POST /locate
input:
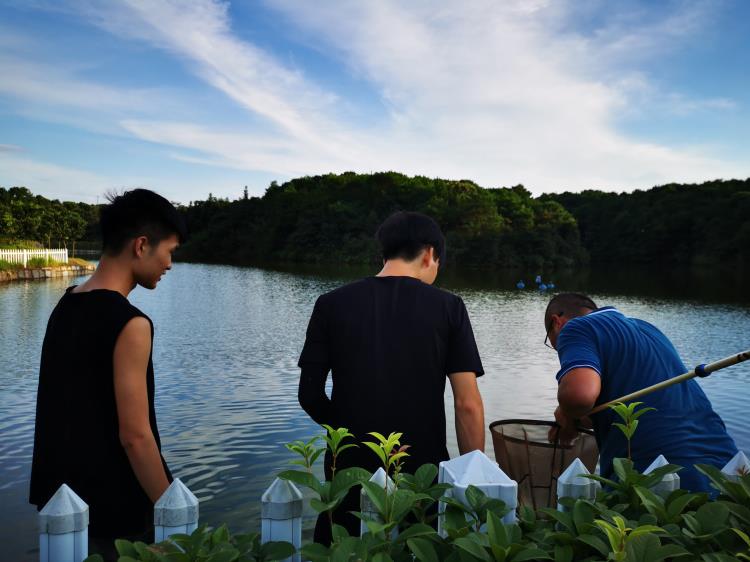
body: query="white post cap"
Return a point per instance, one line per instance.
(282, 500)
(64, 513)
(669, 483)
(738, 466)
(573, 474)
(474, 468)
(177, 506)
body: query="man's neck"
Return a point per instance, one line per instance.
(399, 268)
(111, 274)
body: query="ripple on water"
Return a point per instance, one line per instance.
(225, 353)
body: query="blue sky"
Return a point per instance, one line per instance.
(191, 97)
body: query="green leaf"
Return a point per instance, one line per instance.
(531, 553)
(564, 519)
(594, 542)
(422, 550)
(315, 552)
(94, 558)
(228, 555)
(378, 451)
(401, 503)
(475, 497)
(416, 530)
(302, 478)
(320, 506)
(583, 517)
(346, 479)
(473, 548)
(376, 494)
(642, 411)
(652, 502)
(220, 535)
(496, 531)
(643, 548)
(125, 548)
(426, 474)
(712, 517)
(563, 553)
(623, 468)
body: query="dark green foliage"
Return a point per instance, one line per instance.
(24, 216)
(670, 224)
(203, 545)
(333, 219)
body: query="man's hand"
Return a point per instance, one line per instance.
(567, 430)
(469, 412)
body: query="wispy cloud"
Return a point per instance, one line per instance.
(51, 180)
(10, 148)
(500, 92)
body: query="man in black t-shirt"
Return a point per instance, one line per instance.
(95, 420)
(390, 341)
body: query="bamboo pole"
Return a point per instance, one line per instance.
(700, 370)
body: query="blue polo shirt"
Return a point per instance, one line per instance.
(630, 354)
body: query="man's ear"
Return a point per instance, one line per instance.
(139, 246)
(427, 256)
(558, 321)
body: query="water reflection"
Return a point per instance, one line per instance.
(227, 342)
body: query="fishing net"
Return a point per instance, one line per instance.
(524, 453)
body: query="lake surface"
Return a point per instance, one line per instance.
(225, 355)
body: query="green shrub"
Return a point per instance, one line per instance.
(8, 266)
(38, 262)
(626, 522)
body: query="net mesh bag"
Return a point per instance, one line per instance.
(525, 454)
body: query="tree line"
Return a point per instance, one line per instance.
(332, 219)
(674, 224)
(25, 218)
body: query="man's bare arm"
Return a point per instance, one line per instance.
(469, 412)
(131, 355)
(578, 392)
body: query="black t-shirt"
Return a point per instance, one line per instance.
(76, 439)
(390, 342)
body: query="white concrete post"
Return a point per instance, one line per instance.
(64, 528)
(477, 469)
(366, 506)
(281, 515)
(736, 467)
(668, 484)
(571, 484)
(175, 512)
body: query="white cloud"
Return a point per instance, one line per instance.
(50, 180)
(499, 92)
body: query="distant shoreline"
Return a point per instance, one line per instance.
(31, 273)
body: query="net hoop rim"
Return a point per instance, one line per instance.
(533, 422)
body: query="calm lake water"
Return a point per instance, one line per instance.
(226, 348)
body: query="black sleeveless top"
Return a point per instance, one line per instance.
(76, 440)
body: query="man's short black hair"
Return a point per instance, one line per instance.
(139, 212)
(570, 305)
(405, 234)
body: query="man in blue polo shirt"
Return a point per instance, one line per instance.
(604, 355)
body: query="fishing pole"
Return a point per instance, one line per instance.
(699, 371)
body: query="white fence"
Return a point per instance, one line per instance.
(64, 521)
(23, 256)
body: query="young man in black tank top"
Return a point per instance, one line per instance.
(391, 342)
(95, 422)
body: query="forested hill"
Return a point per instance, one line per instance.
(332, 219)
(705, 224)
